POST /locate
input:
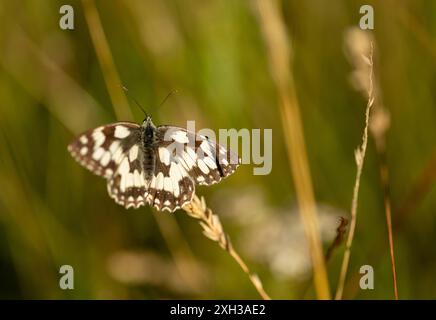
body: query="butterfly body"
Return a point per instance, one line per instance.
(150, 143)
(155, 165)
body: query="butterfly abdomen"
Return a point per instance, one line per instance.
(149, 163)
(149, 141)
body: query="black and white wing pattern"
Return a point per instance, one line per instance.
(184, 159)
(115, 152)
(158, 166)
(205, 161)
(102, 149)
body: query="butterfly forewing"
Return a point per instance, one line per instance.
(204, 160)
(101, 150)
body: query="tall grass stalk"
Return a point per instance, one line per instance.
(279, 53)
(379, 125)
(384, 176)
(185, 261)
(104, 55)
(360, 158)
(359, 44)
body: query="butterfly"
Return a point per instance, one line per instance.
(154, 165)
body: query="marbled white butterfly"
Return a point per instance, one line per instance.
(155, 165)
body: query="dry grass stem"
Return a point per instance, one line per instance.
(184, 259)
(379, 125)
(213, 230)
(104, 55)
(359, 157)
(388, 212)
(359, 44)
(279, 53)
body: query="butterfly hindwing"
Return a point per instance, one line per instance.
(171, 187)
(128, 186)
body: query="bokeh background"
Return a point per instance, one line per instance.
(57, 83)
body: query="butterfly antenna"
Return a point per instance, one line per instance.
(168, 95)
(134, 100)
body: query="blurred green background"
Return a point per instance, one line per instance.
(53, 212)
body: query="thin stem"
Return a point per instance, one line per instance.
(379, 126)
(360, 157)
(391, 242)
(213, 230)
(279, 53)
(104, 55)
(184, 259)
(253, 277)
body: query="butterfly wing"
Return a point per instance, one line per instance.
(204, 160)
(128, 186)
(183, 159)
(101, 149)
(168, 188)
(171, 187)
(114, 152)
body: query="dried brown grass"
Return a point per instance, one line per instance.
(104, 55)
(213, 230)
(280, 54)
(359, 154)
(360, 44)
